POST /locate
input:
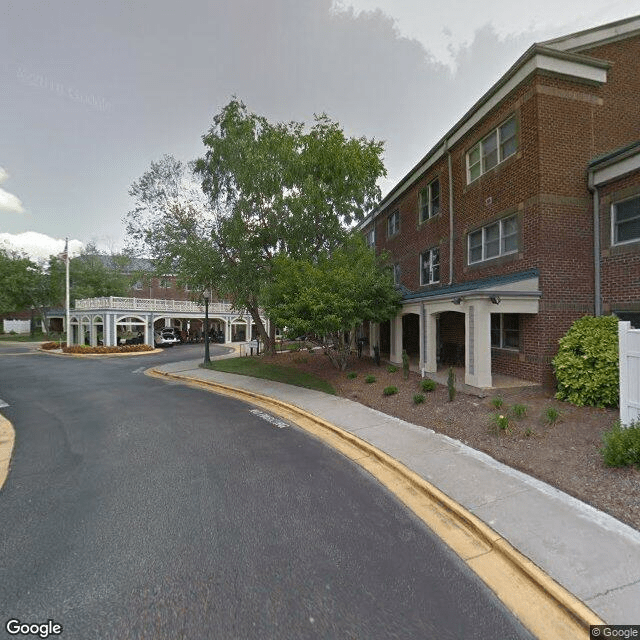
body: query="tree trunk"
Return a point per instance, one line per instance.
(268, 339)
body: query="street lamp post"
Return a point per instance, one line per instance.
(206, 294)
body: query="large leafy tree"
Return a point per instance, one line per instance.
(19, 278)
(329, 295)
(270, 190)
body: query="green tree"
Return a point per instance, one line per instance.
(330, 295)
(19, 279)
(271, 190)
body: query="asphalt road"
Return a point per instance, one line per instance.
(137, 508)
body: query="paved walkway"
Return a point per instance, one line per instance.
(589, 553)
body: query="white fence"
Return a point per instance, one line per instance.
(629, 348)
(19, 326)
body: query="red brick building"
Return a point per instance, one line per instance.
(493, 236)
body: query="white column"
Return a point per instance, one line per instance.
(227, 331)
(396, 340)
(478, 344)
(431, 348)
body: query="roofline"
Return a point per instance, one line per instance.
(536, 58)
(614, 165)
(595, 36)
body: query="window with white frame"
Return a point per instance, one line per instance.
(396, 273)
(626, 220)
(371, 238)
(492, 150)
(137, 285)
(393, 223)
(494, 240)
(430, 266)
(429, 200)
(505, 330)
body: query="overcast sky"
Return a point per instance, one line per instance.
(92, 91)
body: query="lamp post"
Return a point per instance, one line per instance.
(206, 294)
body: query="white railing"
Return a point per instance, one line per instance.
(629, 348)
(151, 304)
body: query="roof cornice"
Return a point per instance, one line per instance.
(596, 36)
(537, 58)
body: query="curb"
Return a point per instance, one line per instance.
(7, 440)
(542, 605)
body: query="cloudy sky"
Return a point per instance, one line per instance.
(93, 91)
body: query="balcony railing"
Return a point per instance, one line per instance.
(151, 304)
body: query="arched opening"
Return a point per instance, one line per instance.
(130, 330)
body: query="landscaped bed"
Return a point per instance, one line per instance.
(550, 440)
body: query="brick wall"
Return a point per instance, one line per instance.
(620, 264)
(562, 125)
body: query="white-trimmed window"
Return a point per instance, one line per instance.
(396, 273)
(371, 238)
(393, 223)
(430, 266)
(429, 201)
(137, 285)
(495, 240)
(505, 330)
(492, 150)
(625, 218)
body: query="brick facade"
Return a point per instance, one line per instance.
(563, 120)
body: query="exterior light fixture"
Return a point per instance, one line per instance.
(495, 299)
(457, 300)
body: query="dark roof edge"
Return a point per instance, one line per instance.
(533, 50)
(474, 285)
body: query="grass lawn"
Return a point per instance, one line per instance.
(256, 368)
(25, 337)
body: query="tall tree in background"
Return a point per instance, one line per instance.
(271, 190)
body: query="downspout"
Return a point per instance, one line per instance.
(596, 245)
(450, 212)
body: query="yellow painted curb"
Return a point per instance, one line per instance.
(7, 439)
(546, 608)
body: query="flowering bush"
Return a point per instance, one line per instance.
(586, 366)
(129, 348)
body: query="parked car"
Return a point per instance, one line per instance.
(172, 334)
(161, 339)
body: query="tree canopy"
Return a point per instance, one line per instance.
(270, 190)
(329, 295)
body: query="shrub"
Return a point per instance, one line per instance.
(497, 402)
(502, 422)
(351, 375)
(451, 384)
(427, 384)
(391, 368)
(519, 410)
(390, 391)
(621, 445)
(418, 398)
(130, 348)
(369, 379)
(551, 415)
(405, 364)
(586, 366)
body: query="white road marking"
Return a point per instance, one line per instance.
(3, 403)
(139, 370)
(269, 418)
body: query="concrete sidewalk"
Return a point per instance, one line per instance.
(592, 555)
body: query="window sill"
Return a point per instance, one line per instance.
(491, 262)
